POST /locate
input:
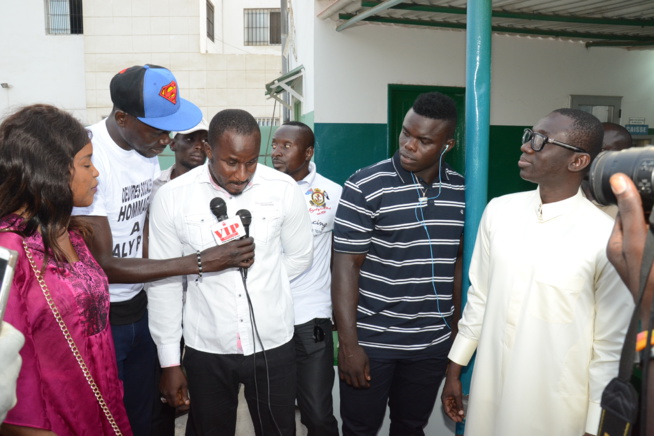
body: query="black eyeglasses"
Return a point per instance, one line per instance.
(538, 141)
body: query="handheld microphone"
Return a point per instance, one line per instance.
(227, 229)
(246, 219)
(218, 208)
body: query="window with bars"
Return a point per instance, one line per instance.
(262, 26)
(63, 17)
(267, 121)
(210, 20)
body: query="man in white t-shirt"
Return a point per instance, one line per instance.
(293, 146)
(147, 107)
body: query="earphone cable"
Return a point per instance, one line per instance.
(424, 225)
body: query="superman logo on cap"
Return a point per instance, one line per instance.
(169, 92)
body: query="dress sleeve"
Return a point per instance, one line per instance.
(30, 410)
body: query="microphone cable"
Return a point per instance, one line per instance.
(255, 332)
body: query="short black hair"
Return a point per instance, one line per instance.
(306, 129)
(587, 131)
(624, 137)
(235, 120)
(436, 106)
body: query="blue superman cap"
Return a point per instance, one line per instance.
(150, 93)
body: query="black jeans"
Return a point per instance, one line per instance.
(213, 383)
(408, 386)
(315, 376)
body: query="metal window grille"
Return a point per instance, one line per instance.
(64, 17)
(267, 121)
(262, 26)
(210, 21)
(275, 27)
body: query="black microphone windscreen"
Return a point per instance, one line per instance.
(218, 208)
(246, 219)
(246, 216)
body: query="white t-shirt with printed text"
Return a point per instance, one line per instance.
(123, 196)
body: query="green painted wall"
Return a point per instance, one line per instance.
(167, 158)
(341, 149)
(307, 119)
(503, 172)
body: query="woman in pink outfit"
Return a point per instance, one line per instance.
(45, 170)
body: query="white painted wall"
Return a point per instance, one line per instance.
(39, 68)
(530, 77)
(301, 48)
(355, 66)
(233, 26)
(172, 33)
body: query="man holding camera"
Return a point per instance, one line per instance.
(546, 311)
(626, 250)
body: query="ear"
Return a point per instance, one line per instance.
(308, 154)
(449, 145)
(579, 163)
(207, 150)
(121, 118)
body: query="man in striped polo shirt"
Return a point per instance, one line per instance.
(396, 282)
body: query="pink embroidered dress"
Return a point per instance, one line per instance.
(52, 391)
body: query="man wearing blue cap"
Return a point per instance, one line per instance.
(147, 107)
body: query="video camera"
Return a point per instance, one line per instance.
(635, 162)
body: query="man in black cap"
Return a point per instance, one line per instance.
(147, 107)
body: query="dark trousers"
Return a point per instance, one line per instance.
(213, 383)
(408, 386)
(314, 354)
(136, 357)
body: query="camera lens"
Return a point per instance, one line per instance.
(636, 162)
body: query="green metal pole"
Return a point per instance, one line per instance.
(478, 89)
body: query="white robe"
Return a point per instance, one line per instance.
(547, 314)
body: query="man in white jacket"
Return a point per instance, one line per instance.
(546, 311)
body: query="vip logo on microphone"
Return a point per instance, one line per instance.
(228, 230)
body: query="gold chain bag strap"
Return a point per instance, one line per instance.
(71, 342)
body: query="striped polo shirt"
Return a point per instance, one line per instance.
(410, 234)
